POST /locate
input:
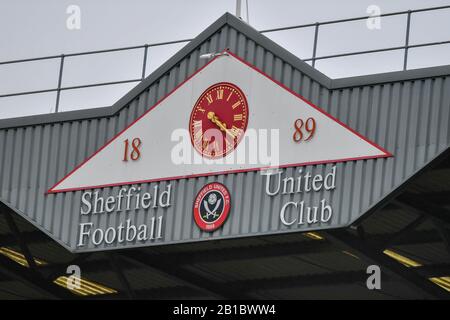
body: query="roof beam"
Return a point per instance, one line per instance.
(434, 164)
(326, 279)
(435, 270)
(445, 235)
(271, 250)
(268, 250)
(22, 243)
(405, 231)
(53, 271)
(411, 238)
(439, 216)
(31, 278)
(375, 256)
(117, 267)
(216, 289)
(414, 203)
(177, 292)
(438, 198)
(28, 236)
(230, 254)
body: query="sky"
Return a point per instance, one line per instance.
(39, 28)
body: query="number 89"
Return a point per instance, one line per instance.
(303, 129)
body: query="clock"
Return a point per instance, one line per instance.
(218, 120)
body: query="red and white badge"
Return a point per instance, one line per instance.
(211, 206)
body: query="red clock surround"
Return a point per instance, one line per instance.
(223, 107)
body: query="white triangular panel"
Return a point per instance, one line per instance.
(271, 106)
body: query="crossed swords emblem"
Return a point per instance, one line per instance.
(212, 200)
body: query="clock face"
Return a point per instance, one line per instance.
(218, 120)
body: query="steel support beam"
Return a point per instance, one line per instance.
(272, 250)
(186, 277)
(28, 236)
(20, 241)
(115, 264)
(403, 232)
(445, 235)
(156, 293)
(441, 159)
(391, 267)
(268, 250)
(414, 203)
(440, 198)
(22, 244)
(327, 279)
(53, 271)
(436, 270)
(31, 278)
(439, 216)
(31, 275)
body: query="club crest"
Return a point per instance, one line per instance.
(211, 206)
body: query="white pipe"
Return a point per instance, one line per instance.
(238, 8)
(246, 10)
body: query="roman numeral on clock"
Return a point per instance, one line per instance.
(237, 117)
(235, 131)
(237, 104)
(205, 144)
(198, 135)
(197, 123)
(219, 94)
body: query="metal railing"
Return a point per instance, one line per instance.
(63, 57)
(405, 47)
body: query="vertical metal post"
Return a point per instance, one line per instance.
(58, 92)
(316, 36)
(144, 63)
(238, 8)
(408, 27)
(247, 13)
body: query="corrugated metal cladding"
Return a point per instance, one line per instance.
(408, 118)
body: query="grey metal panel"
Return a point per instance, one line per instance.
(409, 118)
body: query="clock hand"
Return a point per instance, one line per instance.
(222, 126)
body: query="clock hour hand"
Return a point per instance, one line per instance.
(222, 126)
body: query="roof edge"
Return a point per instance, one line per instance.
(49, 118)
(393, 76)
(278, 50)
(169, 64)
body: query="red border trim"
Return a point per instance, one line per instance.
(386, 154)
